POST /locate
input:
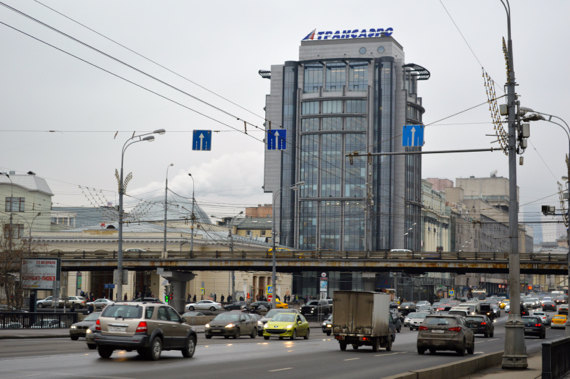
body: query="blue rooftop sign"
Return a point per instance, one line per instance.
(348, 34)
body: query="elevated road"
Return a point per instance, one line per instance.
(294, 261)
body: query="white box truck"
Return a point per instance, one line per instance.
(363, 318)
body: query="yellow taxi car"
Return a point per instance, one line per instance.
(558, 321)
(287, 325)
(279, 304)
(504, 303)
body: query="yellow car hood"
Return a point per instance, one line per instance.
(279, 324)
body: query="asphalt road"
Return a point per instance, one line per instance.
(319, 356)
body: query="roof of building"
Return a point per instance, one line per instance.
(29, 182)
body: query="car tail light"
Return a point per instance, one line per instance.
(538, 325)
(142, 327)
(455, 329)
(98, 325)
(423, 327)
(483, 323)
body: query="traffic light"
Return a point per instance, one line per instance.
(548, 210)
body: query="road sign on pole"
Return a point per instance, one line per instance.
(413, 135)
(202, 140)
(276, 139)
(269, 289)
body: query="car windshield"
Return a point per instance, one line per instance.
(313, 302)
(227, 317)
(92, 317)
(286, 317)
(417, 315)
(122, 311)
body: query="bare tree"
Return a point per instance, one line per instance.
(11, 254)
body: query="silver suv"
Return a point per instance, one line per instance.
(147, 328)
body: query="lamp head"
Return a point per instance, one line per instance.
(148, 138)
(533, 117)
(159, 131)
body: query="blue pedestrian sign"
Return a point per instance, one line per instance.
(276, 139)
(202, 140)
(413, 135)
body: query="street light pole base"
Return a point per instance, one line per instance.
(515, 357)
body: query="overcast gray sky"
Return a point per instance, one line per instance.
(221, 45)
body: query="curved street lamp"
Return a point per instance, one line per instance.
(122, 185)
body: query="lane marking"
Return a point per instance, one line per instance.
(387, 354)
(351, 359)
(280, 369)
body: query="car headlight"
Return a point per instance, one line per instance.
(230, 325)
(88, 331)
(73, 327)
(266, 326)
(329, 325)
(260, 323)
(290, 326)
(207, 326)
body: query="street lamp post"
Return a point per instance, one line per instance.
(232, 254)
(535, 116)
(166, 208)
(192, 220)
(122, 185)
(11, 211)
(514, 356)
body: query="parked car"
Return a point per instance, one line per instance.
(231, 324)
(445, 332)
(99, 304)
(316, 307)
(544, 317)
(480, 324)
(287, 325)
(268, 316)
(204, 305)
(48, 302)
(327, 325)
(80, 328)
(75, 302)
(533, 326)
(558, 321)
(147, 328)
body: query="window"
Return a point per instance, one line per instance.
(332, 106)
(309, 125)
(15, 204)
(332, 123)
(172, 315)
(148, 312)
(313, 78)
(310, 107)
(17, 231)
(355, 123)
(336, 76)
(358, 76)
(163, 314)
(356, 106)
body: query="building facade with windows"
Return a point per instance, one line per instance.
(344, 96)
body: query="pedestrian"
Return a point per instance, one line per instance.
(194, 299)
(214, 297)
(222, 298)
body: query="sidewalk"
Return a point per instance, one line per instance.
(533, 371)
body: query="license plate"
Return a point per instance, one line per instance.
(117, 329)
(216, 330)
(437, 331)
(528, 329)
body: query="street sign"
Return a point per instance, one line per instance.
(109, 286)
(269, 289)
(324, 284)
(202, 140)
(269, 297)
(451, 293)
(323, 274)
(276, 139)
(413, 135)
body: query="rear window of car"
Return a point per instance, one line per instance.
(477, 319)
(122, 311)
(440, 321)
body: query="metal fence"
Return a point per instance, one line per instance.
(37, 320)
(555, 358)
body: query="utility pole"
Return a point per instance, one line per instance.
(193, 218)
(514, 356)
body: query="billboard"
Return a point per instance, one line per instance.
(40, 273)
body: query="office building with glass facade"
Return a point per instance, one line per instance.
(344, 96)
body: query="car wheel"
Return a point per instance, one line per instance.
(421, 350)
(155, 349)
(432, 350)
(543, 335)
(74, 338)
(237, 334)
(486, 334)
(105, 352)
(208, 336)
(411, 328)
(471, 349)
(212, 309)
(375, 345)
(307, 334)
(91, 346)
(399, 329)
(265, 337)
(253, 333)
(226, 337)
(461, 351)
(342, 345)
(328, 333)
(190, 308)
(354, 347)
(492, 334)
(190, 348)
(389, 344)
(294, 335)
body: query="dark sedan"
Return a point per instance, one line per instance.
(80, 328)
(533, 326)
(231, 324)
(480, 325)
(549, 306)
(235, 306)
